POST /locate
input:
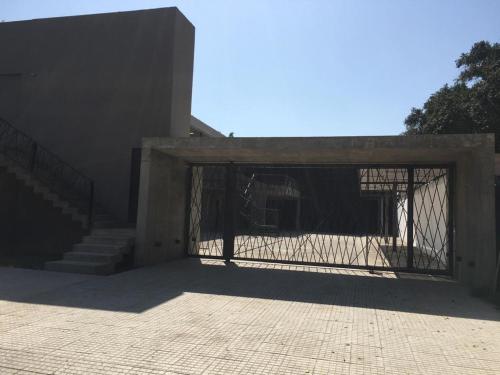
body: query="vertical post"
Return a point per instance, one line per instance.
(34, 148)
(395, 223)
(91, 206)
(187, 219)
(386, 218)
(410, 226)
(229, 217)
(451, 225)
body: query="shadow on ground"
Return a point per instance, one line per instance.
(141, 289)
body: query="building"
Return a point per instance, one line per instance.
(85, 90)
(99, 127)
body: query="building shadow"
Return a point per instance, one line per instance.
(139, 290)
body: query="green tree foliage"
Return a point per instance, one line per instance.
(471, 104)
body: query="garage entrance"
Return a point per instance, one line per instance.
(387, 217)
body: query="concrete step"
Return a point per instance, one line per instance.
(109, 240)
(125, 232)
(100, 224)
(92, 268)
(100, 248)
(77, 256)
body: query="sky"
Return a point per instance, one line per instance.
(310, 68)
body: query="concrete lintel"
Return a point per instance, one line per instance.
(385, 149)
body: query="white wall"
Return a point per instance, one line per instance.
(430, 212)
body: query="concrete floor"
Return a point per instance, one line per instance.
(193, 317)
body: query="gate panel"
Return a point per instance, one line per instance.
(206, 211)
(375, 217)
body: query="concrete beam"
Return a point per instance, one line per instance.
(391, 149)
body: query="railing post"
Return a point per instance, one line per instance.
(410, 224)
(229, 217)
(395, 219)
(34, 148)
(450, 213)
(91, 206)
(188, 210)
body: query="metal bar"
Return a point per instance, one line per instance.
(229, 217)
(395, 226)
(409, 232)
(187, 219)
(330, 265)
(386, 218)
(451, 224)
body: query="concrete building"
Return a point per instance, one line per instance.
(89, 88)
(100, 142)
(466, 212)
(82, 92)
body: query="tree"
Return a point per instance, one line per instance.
(471, 104)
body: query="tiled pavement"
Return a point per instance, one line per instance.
(188, 317)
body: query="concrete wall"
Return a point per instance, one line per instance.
(89, 88)
(472, 156)
(162, 208)
(30, 225)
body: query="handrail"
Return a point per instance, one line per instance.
(61, 178)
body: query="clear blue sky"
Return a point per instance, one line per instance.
(307, 68)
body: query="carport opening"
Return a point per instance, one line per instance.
(362, 216)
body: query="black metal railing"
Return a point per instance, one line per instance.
(58, 176)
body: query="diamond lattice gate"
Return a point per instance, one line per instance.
(364, 216)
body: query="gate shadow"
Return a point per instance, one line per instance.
(142, 289)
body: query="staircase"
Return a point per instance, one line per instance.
(100, 253)
(40, 189)
(109, 244)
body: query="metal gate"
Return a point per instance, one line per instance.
(390, 217)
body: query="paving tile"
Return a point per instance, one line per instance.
(202, 317)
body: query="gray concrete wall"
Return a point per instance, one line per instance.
(89, 88)
(475, 235)
(472, 155)
(162, 208)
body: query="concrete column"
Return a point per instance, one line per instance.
(162, 209)
(475, 221)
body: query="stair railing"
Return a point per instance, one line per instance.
(58, 176)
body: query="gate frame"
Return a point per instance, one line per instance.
(164, 164)
(229, 215)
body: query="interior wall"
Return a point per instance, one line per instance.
(430, 226)
(430, 219)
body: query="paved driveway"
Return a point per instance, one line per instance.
(192, 317)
